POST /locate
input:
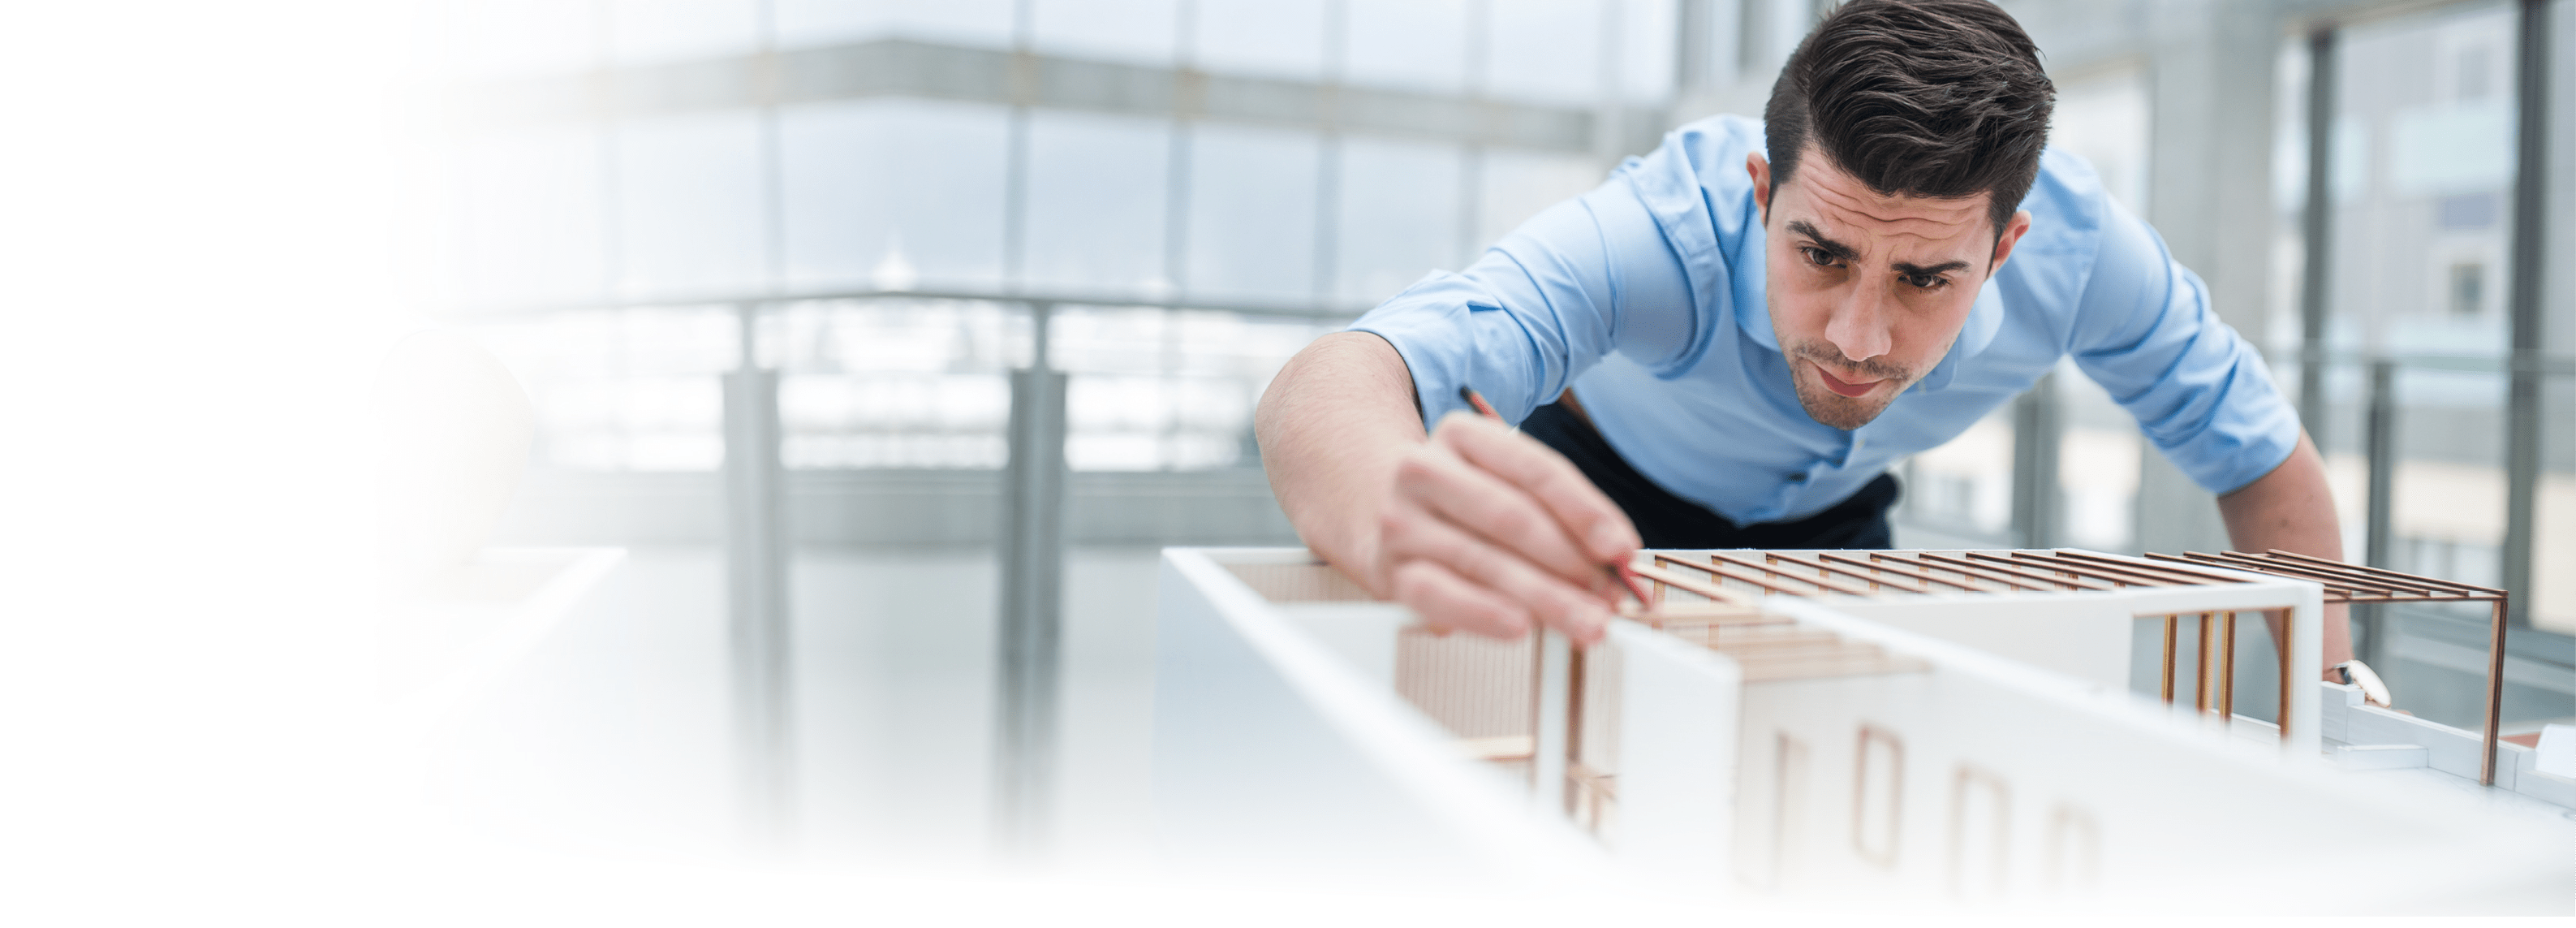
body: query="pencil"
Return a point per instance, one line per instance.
(1477, 400)
(1618, 571)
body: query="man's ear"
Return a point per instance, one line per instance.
(1760, 168)
(2004, 243)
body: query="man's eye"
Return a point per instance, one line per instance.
(1818, 256)
(1927, 281)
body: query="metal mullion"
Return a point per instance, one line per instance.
(2317, 227)
(758, 624)
(2380, 438)
(2530, 228)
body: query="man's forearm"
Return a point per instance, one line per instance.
(2292, 509)
(1332, 427)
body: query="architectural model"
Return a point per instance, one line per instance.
(1849, 728)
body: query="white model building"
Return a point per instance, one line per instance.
(1845, 729)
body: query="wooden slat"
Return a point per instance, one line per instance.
(1770, 573)
(1891, 565)
(2334, 592)
(1782, 632)
(2163, 558)
(2186, 575)
(2164, 564)
(1681, 624)
(2111, 572)
(1863, 575)
(1721, 572)
(1822, 583)
(1693, 615)
(2330, 581)
(2381, 573)
(1710, 590)
(1605, 784)
(1504, 747)
(2008, 565)
(1943, 562)
(1692, 610)
(1782, 650)
(2260, 565)
(1738, 574)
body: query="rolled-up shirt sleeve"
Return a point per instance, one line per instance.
(2144, 330)
(1581, 279)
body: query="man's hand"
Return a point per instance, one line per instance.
(1477, 528)
(1486, 529)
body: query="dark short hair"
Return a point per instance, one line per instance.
(1931, 98)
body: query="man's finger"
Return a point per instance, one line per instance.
(1444, 600)
(1494, 510)
(1589, 518)
(1578, 610)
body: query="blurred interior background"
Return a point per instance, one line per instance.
(885, 207)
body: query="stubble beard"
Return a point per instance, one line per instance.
(1834, 409)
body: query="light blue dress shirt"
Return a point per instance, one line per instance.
(1645, 296)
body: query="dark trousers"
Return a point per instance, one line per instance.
(1668, 521)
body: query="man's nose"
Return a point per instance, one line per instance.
(1859, 325)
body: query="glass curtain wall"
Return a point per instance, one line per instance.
(2423, 148)
(619, 184)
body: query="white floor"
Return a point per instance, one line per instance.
(610, 738)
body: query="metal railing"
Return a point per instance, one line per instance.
(1031, 536)
(2381, 454)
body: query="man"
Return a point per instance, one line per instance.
(1729, 342)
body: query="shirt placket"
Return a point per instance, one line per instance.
(1799, 491)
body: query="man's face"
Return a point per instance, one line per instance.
(1866, 291)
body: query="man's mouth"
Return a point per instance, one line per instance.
(1841, 386)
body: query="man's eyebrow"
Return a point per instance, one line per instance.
(1913, 271)
(1840, 251)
